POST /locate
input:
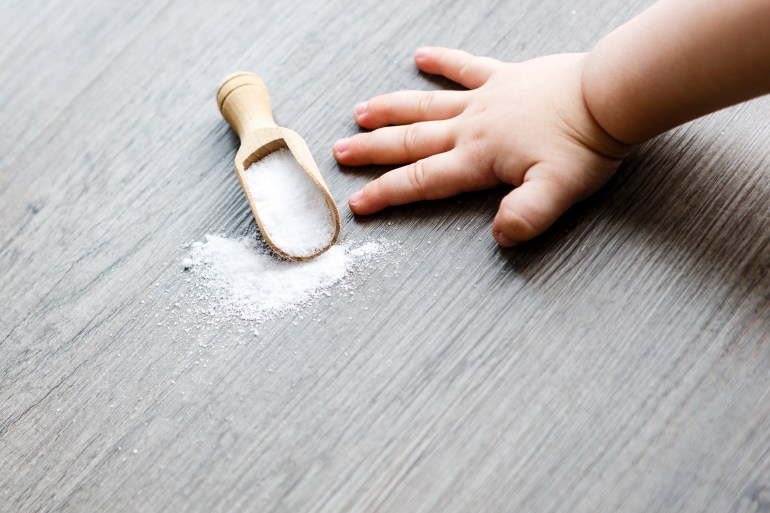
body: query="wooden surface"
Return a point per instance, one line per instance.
(619, 363)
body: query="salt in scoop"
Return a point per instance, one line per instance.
(287, 194)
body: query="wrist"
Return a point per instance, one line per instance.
(602, 139)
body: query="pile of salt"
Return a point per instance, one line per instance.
(248, 282)
(291, 207)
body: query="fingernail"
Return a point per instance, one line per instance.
(360, 108)
(421, 52)
(356, 197)
(503, 239)
(342, 145)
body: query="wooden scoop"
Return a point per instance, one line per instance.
(244, 102)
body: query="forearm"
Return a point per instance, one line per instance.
(678, 60)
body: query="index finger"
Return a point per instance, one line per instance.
(438, 176)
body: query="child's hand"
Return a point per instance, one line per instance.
(525, 124)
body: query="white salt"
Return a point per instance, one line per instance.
(291, 207)
(247, 281)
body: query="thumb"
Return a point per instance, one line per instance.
(530, 209)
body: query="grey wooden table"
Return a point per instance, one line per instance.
(619, 363)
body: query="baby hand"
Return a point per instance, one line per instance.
(525, 124)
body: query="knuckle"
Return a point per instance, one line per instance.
(465, 65)
(481, 163)
(417, 179)
(476, 151)
(409, 141)
(477, 134)
(425, 104)
(377, 191)
(480, 133)
(516, 224)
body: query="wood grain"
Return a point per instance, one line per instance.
(619, 363)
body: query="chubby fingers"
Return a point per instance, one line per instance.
(456, 65)
(439, 176)
(405, 107)
(395, 144)
(530, 209)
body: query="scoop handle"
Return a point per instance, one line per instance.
(245, 103)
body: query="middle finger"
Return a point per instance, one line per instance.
(396, 144)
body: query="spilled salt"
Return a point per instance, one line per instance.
(245, 280)
(291, 207)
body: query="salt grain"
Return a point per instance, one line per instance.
(291, 207)
(249, 282)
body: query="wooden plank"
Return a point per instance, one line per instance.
(617, 363)
(52, 51)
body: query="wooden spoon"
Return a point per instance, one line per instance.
(245, 103)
